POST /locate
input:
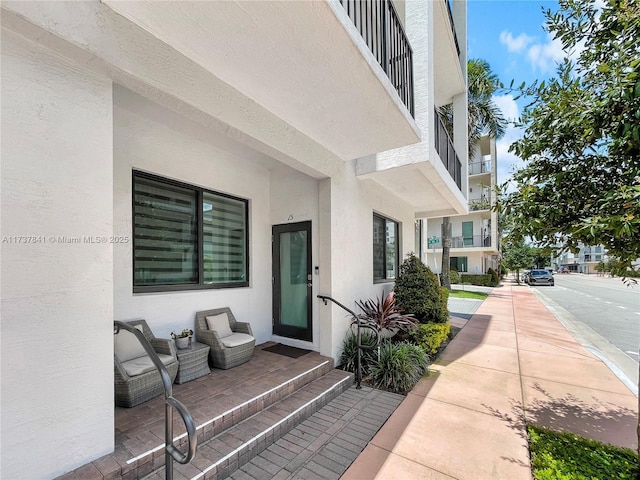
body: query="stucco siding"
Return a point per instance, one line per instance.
(57, 263)
(153, 144)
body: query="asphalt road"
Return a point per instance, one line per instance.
(605, 311)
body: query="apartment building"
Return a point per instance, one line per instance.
(584, 261)
(475, 242)
(152, 154)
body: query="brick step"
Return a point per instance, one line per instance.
(238, 444)
(217, 402)
(327, 443)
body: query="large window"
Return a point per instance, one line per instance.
(459, 263)
(186, 237)
(386, 248)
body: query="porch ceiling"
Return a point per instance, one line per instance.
(304, 62)
(431, 191)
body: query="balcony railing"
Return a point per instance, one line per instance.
(448, 155)
(380, 27)
(475, 205)
(476, 241)
(453, 26)
(477, 168)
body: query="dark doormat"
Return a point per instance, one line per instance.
(286, 350)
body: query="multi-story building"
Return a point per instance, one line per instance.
(152, 154)
(585, 261)
(475, 242)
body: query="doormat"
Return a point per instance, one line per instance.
(286, 350)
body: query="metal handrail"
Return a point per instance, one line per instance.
(171, 451)
(381, 29)
(446, 150)
(453, 27)
(361, 347)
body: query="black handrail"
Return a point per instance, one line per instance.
(171, 451)
(453, 27)
(356, 320)
(380, 27)
(446, 151)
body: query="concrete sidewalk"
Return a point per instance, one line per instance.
(513, 363)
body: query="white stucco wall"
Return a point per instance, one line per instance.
(294, 198)
(349, 260)
(148, 138)
(57, 290)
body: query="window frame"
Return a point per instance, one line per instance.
(457, 265)
(200, 192)
(398, 242)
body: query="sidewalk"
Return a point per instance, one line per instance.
(513, 363)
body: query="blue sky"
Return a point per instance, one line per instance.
(509, 35)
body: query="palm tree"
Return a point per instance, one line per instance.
(485, 118)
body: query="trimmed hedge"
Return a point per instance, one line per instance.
(454, 277)
(430, 336)
(481, 279)
(418, 291)
(495, 279)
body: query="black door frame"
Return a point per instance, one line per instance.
(289, 331)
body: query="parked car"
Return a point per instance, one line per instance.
(540, 277)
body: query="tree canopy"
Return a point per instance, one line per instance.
(581, 178)
(516, 256)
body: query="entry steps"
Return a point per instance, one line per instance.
(315, 432)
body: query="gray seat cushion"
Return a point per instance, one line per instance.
(140, 365)
(236, 339)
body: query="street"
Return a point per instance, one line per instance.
(610, 309)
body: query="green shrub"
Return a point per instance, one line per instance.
(418, 291)
(430, 336)
(350, 351)
(481, 279)
(565, 456)
(494, 277)
(399, 366)
(454, 277)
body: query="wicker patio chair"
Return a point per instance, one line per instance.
(136, 377)
(232, 344)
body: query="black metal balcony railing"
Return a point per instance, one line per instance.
(453, 26)
(381, 29)
(448, 155)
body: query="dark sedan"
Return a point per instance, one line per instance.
(540, 277)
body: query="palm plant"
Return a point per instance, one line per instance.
(383, 314)
(485, 118)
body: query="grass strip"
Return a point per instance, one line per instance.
(468, 294)
(565, 456)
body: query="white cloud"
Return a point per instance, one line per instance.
(508, 106)
(546, 56)
(515, 44)
(507, 161)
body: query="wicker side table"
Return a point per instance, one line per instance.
(193, 362)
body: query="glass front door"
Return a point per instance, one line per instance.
(292, 280)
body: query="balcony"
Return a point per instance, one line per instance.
(449, 77)
(480, 168)
(453, 27)
(476, 241)
(479, 205)
(381, 29)
(305, 77)
(448, 155)
(293, 80)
